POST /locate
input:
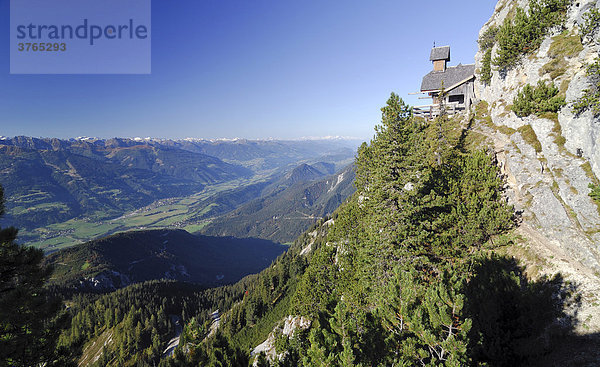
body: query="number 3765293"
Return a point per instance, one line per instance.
(42, 47)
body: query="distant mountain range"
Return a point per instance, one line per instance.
(125, 258)
(254, 154)
(53, 183)
(47, 186)
(50, 181)
(269, 154)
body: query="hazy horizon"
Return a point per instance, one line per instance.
(189, 138)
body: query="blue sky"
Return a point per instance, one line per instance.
(250, 69)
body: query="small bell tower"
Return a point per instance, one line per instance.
(440, 56)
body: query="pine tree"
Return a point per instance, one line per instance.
(27, 314)
(486, 67)
(388, 285)
(261, 360)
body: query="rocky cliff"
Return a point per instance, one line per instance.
(549, 162)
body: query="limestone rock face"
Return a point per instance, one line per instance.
(548, 172)
(291, 324)
(107, 280)
(288, 328)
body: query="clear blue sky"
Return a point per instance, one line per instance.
(251, 69)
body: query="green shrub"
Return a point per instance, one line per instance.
(595, 193)
(593, 70)
(548, 13)
(488, 38)
(589, 101)
(282, 342)
(591, 97)
(524, 33)
(539, 99)
(591, 22)
(514, 39)
(486, 67)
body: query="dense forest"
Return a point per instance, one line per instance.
(122, 259)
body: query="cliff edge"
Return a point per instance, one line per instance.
(549, 159)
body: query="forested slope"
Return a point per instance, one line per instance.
(122, 259)
(407, 272)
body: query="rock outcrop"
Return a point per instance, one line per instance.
(549, 162)
(107, 280)
(287, 329)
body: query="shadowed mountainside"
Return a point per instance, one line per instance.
(124, 258)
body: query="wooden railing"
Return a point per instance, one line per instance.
(432, 111)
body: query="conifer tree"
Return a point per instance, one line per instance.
(27, 314)
(396, 261)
